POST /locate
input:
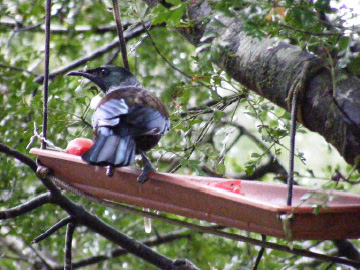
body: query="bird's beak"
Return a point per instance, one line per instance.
(88, 75)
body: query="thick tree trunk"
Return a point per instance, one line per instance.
(270, 67)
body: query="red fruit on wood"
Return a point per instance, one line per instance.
(232, 186)
(78, 146)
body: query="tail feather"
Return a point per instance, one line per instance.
(111, 149)
(125, 151)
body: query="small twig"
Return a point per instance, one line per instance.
(113, 57)
(35, 26)
(158, 51)
(120, 34)
(68, 247)
(162, 56)
(337, 176)
(53, 229)
(19, 69)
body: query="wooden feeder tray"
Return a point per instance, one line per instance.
(255, 206)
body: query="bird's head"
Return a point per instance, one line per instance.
(108, 77)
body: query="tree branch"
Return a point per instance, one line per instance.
(26, 207)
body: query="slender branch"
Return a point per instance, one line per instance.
(68, 247)
(119, 30)
(15, 24)
(132, 32)
(59, 29)
(113, 57)
(53, 229)
(26, 207)
(18, 155)
(163, 57)
(209, 107)
(19, 69)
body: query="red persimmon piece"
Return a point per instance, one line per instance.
(232, 185)
(78, 146)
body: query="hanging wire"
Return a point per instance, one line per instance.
(120, 34)
(290, 179)
(46, 71)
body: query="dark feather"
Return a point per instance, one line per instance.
(146, 121)
(112, 148)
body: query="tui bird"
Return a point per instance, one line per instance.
(129, 120)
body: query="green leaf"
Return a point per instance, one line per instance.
(160, 14)
(169, 16)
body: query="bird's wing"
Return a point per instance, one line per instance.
(108, 113)
(147, 121)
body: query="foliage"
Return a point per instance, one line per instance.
(216, 123)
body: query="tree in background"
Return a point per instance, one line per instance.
(226, 70)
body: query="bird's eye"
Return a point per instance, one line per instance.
(104, 72)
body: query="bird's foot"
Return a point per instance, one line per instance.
(110, 171)
(148, 168)
(143, 177)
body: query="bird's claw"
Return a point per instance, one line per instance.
(143, 177)
(110, 171)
